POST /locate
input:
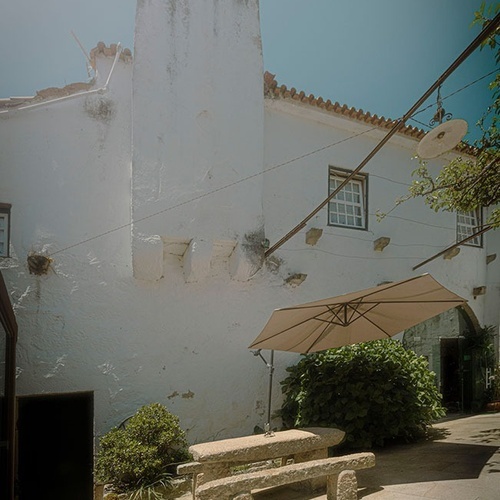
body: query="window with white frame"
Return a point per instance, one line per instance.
(4, 229)
(469, 223)
(348, 207)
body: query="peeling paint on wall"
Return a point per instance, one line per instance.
(60, 363)
(39, 264)
(100, 108)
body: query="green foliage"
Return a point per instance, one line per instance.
(465, 185)
(137, 457)
(375, 392)
(483, 339)
(462, 185)
(495, 386)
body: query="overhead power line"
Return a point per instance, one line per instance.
(485, 33)
(208, 193)
(398, 124)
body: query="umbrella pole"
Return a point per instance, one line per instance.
(269, 432)
(270, 366)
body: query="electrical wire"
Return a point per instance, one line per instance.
(203, 195)
(208, 193)
(419, 222)
(336, 235)
(389, 180)
(350, 256)
(452, 94)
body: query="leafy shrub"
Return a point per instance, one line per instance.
(376, 391)
(138, 455)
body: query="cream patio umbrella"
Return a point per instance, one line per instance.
(374, 313)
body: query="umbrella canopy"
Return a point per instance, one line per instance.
(371, 314)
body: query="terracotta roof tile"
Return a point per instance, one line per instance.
(273, 91)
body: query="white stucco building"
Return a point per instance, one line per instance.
(155, 190)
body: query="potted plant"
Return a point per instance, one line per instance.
(493, 395)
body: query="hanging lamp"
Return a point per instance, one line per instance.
(446, 136)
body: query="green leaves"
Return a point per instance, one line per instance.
(463, 184)
(375, 392)
(137, 456)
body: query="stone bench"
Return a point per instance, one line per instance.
(192, 469)
(339, 471)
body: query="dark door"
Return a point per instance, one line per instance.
(55, 446)
(451, 376)
(8, 339)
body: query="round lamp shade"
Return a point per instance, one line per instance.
(441, 139)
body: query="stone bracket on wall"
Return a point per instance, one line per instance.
(241, 267)
(196, 258)
(147, 257)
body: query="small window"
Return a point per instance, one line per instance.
(469, 223)
(348, 207)
(4, 229)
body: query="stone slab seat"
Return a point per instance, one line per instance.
(189, 468)
(240, 485)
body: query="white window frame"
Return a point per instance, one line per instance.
(469, 223)
(4, 229)
(349, 207)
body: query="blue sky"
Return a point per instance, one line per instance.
(377, 55)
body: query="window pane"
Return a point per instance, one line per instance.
(349, 201)
(467, 224)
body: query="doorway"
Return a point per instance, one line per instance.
(55, 446)
(450, 374)
(456, 378)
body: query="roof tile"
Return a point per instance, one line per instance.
(273, 91)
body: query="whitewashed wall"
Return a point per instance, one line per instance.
(198, 128)
(345, 257)
(164, 308)
(65, 168)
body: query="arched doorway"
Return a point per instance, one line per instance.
(444, 342)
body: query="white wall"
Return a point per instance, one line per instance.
(163, 309)
(65, 167)
(198, 124)
(90, 325)
(345, 257)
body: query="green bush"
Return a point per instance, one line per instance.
(139, 455)
(376, 391)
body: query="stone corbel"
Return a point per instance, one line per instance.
(147, 257)
(197, 259)
(244, 262)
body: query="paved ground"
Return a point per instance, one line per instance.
(461, 463)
